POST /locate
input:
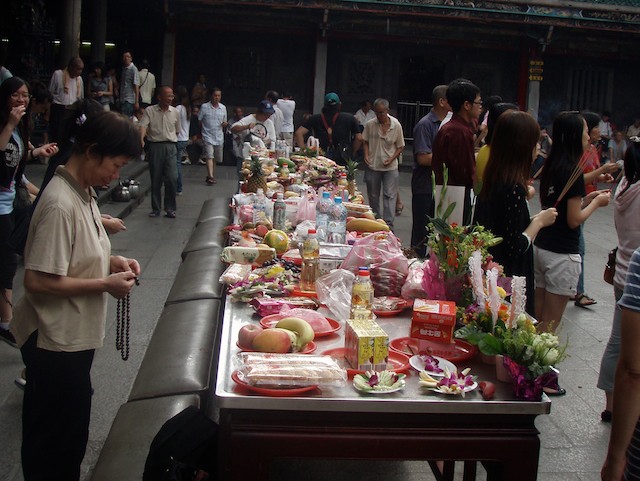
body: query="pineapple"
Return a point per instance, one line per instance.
(352, 168)
(256, 180)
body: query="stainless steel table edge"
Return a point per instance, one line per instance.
(346, 398)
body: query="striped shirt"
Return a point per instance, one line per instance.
(631, 300)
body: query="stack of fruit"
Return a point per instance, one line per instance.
(290, 334)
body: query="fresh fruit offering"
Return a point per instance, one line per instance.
(451, 383)
(277, 239)
(379, 382)
(289, 335)
(488, 390)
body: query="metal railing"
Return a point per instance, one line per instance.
(409, 113)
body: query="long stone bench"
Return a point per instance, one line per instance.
(176, 371)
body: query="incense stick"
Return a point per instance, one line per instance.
(537, 174)
(575, 175)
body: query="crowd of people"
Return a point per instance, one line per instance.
(490, 152)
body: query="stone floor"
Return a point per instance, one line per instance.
(573, 439)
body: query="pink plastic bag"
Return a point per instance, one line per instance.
(307, 207)
(382, 254)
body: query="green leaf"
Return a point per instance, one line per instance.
(490, 345)
(449, 210)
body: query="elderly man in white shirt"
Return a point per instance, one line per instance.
(66, 87)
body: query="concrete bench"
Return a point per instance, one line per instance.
(125, 450)
(179, 356)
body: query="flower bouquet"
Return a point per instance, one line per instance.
(451, 246)
(529, 357)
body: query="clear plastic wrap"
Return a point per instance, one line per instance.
(289, 370)
(334, 291)
(235, 273)
(412, 287)
(382, 254)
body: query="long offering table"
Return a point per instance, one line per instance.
(340, 422)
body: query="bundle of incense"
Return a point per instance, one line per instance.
(575, 175)
(537, 174)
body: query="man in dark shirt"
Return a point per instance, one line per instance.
(453, 145)
(338, 132)
(424, 134)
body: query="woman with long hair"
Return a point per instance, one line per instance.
(15, 150)
(556, 252)
(60, 321)
(502, 205)
(183, 106)
(626, 215)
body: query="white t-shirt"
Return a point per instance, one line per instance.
(65, 93)
(364, 118)
(147, 85)
(278, 120)
(185, 123)
(265, 131)
(288, 107)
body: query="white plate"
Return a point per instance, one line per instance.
(466, 389)
(418, 365)
(382, 388)
(382, 391)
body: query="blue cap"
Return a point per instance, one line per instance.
(331, 99)
(337, 200)
(266, 107)
(326, 194)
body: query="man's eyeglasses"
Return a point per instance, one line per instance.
(477, 102)
(18, 95)
(380, 113)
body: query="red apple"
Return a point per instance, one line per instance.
(262, 230)
(247, 333)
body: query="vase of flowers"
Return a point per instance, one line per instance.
(451, 246)
(529, 358)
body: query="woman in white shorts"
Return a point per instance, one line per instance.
(556, 249)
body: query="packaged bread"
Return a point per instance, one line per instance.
(289, 370)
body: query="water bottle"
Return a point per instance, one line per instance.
(337, 226)
(279, 212)
(259, 207)
(362, 295)
(310, 253)
(322, 216)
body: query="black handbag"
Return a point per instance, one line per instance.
(610, 266)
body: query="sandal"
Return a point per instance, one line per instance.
(554, 392)
(583, 300)
(399, 209)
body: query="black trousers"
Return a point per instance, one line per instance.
(422, 208)
(55, 413)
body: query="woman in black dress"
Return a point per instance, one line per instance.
(502, 206)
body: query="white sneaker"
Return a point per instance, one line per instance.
(185, 162)
(202, 162)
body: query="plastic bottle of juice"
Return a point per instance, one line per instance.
(279, 212)
(362, 295)
(310, 254)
